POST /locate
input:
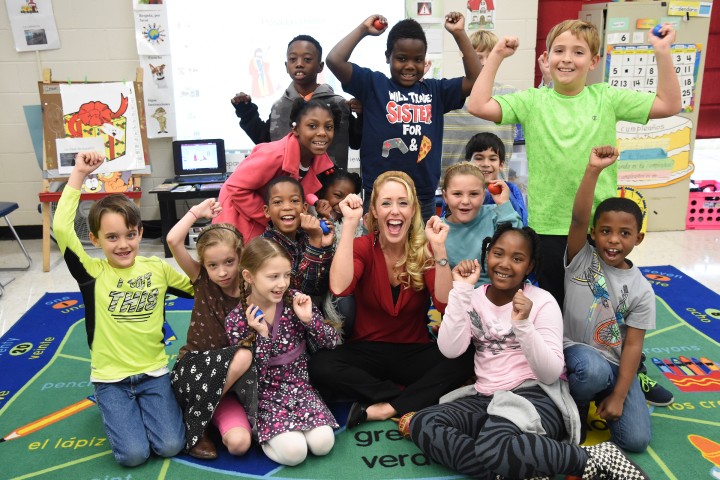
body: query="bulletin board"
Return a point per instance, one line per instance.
(634, 67)
(101, 119)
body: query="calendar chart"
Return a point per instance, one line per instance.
(656, 157)
(634, 67)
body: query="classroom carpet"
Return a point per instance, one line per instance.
(51, 427)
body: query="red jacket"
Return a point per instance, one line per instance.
(242, 195)
(377, 318)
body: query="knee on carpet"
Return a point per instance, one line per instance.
(636, 443)
(170, 447)
(321, 441)
(132, 457)
(237, 441)
(293, 454)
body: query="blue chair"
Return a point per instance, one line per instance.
(5, 209)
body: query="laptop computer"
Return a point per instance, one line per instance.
(199, 161)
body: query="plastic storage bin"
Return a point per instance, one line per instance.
(703, 212)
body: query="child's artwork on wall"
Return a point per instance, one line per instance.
(112, 112)
(480, 15)
(159, 100)
(114, 182)
(107, 111)
(656, 154)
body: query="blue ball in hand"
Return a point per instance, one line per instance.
(657, 31)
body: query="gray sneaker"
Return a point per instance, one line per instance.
(608, 462)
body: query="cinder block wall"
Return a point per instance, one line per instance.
(98, 43)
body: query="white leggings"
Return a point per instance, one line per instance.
(290, 448)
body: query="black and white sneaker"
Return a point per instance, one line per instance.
(608, 462)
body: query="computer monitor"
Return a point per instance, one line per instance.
(199, 157)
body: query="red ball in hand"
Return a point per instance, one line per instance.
(494, 188)
(379, 25)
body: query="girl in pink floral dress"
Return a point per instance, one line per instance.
(292, 417)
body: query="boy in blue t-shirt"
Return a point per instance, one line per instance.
(403, 114)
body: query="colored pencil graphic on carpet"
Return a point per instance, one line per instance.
(49, 419)
(710, 451)
(690, 374)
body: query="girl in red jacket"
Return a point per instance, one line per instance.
(300, 155)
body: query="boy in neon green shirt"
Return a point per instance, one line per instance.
(124, 297)
(563, 123)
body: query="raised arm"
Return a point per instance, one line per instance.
(600, 158)
(343, 267)
(209, 208)
(436, 232)
(455, 24)
(481, 104)
(255, 128)
(668, 100)
(338, 60)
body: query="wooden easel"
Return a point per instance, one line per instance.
(47, 197)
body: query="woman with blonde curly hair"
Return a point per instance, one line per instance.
(389, 364)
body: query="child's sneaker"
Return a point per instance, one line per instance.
(655, 394)
(607, 462)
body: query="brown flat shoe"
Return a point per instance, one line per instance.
(204, 449)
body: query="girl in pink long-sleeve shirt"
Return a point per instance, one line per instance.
(515, 422)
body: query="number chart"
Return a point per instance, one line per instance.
(635, 67)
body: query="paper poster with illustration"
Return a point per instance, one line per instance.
(425, 11)
(112, 182)
(480, 15)
(108, 111)
(33, 25)
(159, 100)
(656, 154)
(151, 32)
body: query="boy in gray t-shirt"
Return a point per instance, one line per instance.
(608, 307)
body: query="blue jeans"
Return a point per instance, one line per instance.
(141, 415)
(592, 378)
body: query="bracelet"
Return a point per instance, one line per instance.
(193, 214)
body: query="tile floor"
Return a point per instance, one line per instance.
(695, 252)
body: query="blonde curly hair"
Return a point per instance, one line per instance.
(417, 258)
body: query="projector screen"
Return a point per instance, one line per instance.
(217, 47)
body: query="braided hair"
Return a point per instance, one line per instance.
(528, 233)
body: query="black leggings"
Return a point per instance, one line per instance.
(462, 436)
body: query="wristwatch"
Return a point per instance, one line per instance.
(441, 261)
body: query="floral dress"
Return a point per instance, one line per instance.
(286, 399)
